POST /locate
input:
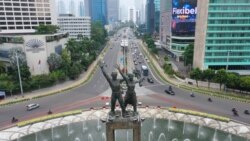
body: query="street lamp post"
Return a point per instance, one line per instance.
(19, 75)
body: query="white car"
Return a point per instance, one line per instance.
(107, 104)
(139, 103)
(32, 106)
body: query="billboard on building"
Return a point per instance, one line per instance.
(183, 17)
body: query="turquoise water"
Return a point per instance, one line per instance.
(152, 130)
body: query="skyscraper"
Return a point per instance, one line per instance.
(98, 11)
(113, 11)
(165, 22)
(222, 36)
(27, 16)
(72, 9)
(131, 14)
(157, 15)
(150, 15)
(177, 28)
(87, 7)
(81, 9)
(138, 17)
(61, 7)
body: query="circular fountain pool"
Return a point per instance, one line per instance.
(160, 125)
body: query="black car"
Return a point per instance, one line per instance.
(170, 92)
(150, 80)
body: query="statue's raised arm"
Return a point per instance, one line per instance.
(101, 65)
(122, 74)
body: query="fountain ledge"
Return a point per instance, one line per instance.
(232, 127)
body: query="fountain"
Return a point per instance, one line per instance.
(167, 130)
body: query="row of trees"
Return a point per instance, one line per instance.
(230, 80)
(73, 60)
(150, 43)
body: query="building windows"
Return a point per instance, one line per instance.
(19, 27)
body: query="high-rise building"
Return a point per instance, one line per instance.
(81, 9)
(138, 17)
(98, 11)
(143, 12)
(72, 8)
(165, 23)
(150, 16)
(131, 14)
(222, 36)
(157, 15)
(86, 7)
(61, 7)
(75, 26)
(177, 25)
(113, 11)
(25, 16)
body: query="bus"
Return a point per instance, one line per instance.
(144, 70)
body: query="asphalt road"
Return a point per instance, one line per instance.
(88, 95)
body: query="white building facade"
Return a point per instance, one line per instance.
(36, 47)
(25, 15)
(75, 26)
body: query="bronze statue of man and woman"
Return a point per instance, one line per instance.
(115, 84)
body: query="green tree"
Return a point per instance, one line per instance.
(196, 74)
(73, 47)
(2, 67)
(221, 77)
(188, 55)
(24, 69)
(46, 29)
(15, 53)
(209, 75)
(75, 71)
(245, 83)
(66, 61)
(98, 33)
(233, 80)
(10, 86)
(6, 83)
(54, 61)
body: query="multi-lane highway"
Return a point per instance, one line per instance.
(90, 94)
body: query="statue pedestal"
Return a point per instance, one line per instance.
(131, 121)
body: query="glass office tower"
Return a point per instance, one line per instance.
(98, 11)
(223, 35)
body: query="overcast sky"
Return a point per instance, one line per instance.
(124, 5)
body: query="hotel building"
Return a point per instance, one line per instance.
(222, 37)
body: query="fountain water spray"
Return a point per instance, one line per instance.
(77, 139)
(162, 137)
(90, 138)
(98, 124)
(150, 136)
(154, 124)
(104, 137)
